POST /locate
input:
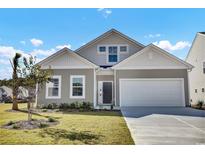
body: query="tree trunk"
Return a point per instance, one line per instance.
(29, 111)
(15, 91)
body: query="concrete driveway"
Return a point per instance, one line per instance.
(165, 125)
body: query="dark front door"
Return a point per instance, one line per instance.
(107, 92)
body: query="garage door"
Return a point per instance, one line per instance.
(152, 92)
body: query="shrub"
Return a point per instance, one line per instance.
(73, 105)
(64, 106)
(200, 103)
(86, 105)
(51, 119)
(50, 106)
(10, 123)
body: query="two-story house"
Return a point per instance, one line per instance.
(196, 57)
(114, 69)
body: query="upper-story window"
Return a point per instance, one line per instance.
(123, 48)
(101, 49)
(204, 67)
(112, 54)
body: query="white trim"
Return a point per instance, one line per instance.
(71, 86)
(94, 89)
(101, 45)
(59, 88)
(64, 67)
(156, 79)
(102, 92)
(124, 52)
(149, 67)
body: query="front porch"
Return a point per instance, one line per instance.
(105, 89)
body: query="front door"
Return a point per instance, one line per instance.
(104, 92)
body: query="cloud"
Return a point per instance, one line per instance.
(6, 72)
(9, 51)
(63, 46)
(40, 52)
(23, 42)
(166, 45)
(36, 42)
(152, 35)
(105, 12)
(4, 61)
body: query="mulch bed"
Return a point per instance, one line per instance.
(33, 124)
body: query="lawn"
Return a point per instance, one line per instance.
(103, 127)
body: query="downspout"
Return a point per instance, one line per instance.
(115, 87)
(189, 94)
(94, 88)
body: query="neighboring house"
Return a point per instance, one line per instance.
(114, 69)
(196, 57)
(7, 92)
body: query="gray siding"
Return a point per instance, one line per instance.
(92, 55)
(152, 74)
(65, 86)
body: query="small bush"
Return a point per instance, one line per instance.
(50, 106)
(73, 105)
(10, 123)
(43, 125)
(64, 106)
(51, 119)
(86, 105)
(200, 103)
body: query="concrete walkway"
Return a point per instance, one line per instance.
(165, 125)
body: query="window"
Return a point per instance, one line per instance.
(112, 54)
(77, 86)
(204, 67)
(123, 48)
(102, 49)
(202, 90)
(195, 90)
(53, 87)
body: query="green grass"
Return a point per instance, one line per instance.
(104, 127)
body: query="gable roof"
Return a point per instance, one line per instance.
(158, 49)
(106, 34)
(62, 51)
(199, 33)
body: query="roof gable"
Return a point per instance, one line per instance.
(197, 47)
(66, 59)
(107, 34)
(152, 57)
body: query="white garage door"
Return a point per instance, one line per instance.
(152, 92)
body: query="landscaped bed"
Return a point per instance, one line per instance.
(101, 127)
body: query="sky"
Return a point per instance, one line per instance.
(42, 32)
